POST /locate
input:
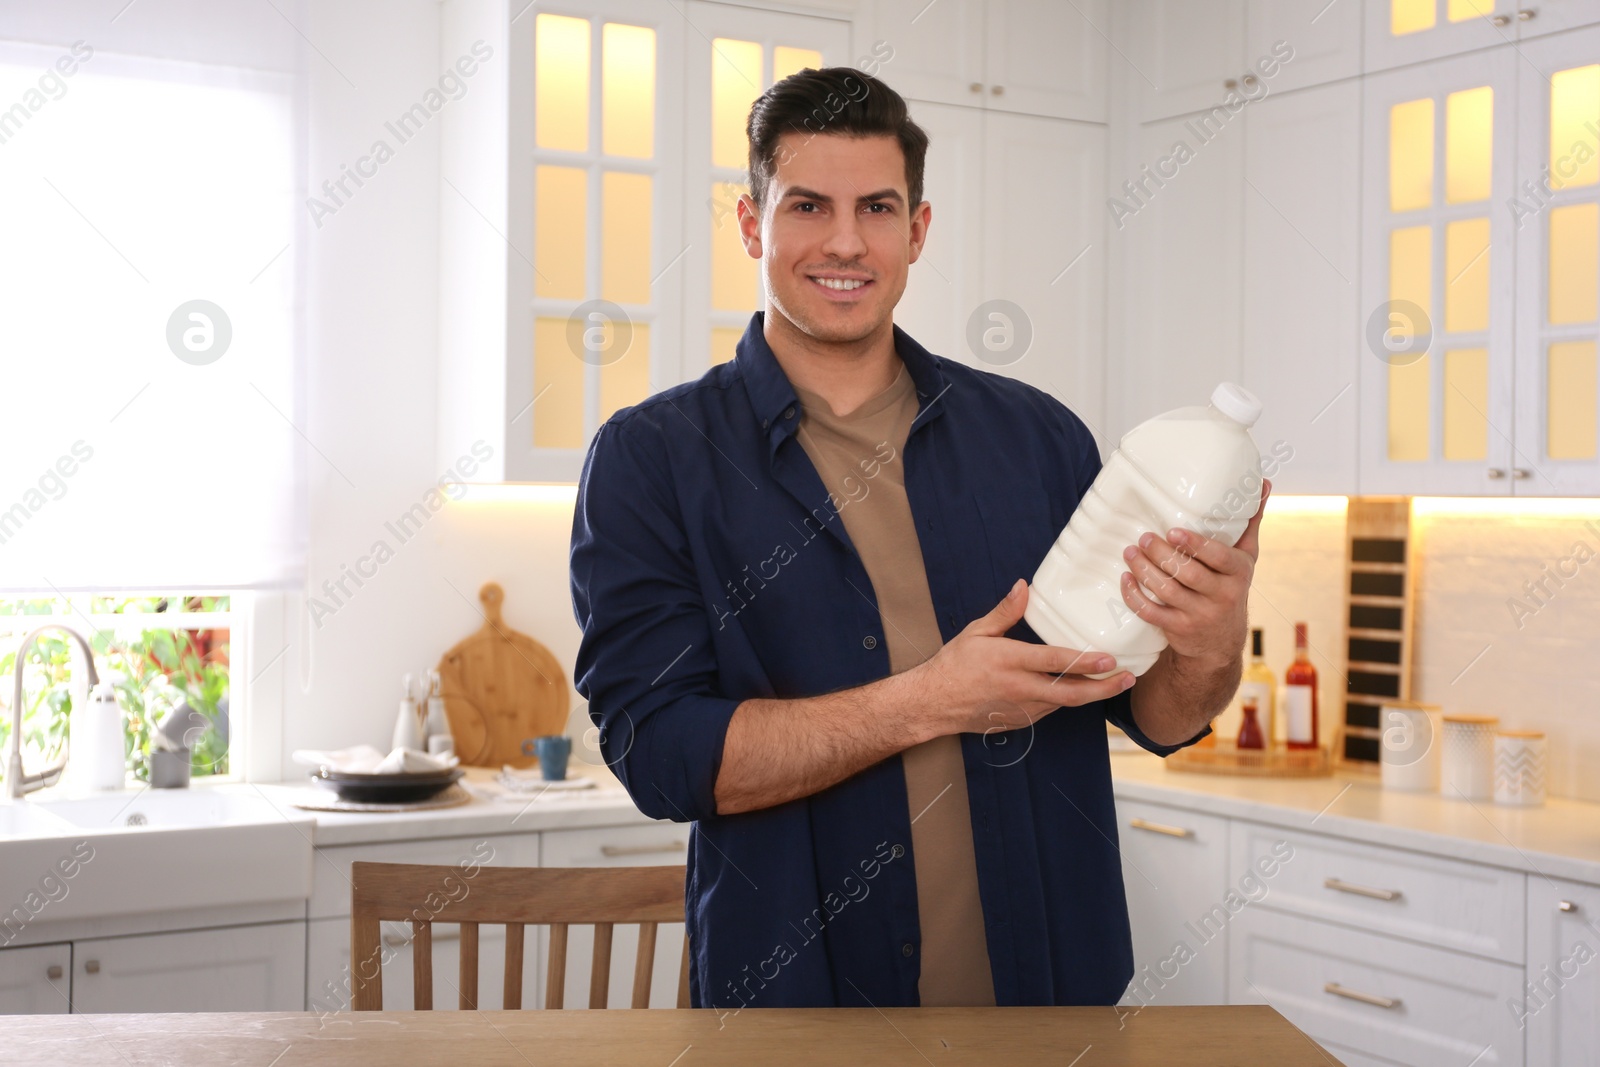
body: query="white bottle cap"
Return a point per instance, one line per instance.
(1236, 402)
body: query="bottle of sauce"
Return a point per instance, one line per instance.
(1261, 683)
(1300, 695)
(1250, 725)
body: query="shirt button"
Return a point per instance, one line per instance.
(764, 423)
(869, 642)
(906, 949)
(789, 414)
(897, 851)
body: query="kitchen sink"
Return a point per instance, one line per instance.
(157, 850)
(161, 809)
(22, 819)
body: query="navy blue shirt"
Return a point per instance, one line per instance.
(709, 567)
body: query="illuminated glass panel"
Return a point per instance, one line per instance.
(628, 90)
(1573, 400)
(1468, 145)
(1466, 403)
(561, 82)
(1411, 155)
(735, 83)
(561, 201)
(558, 376)
(1466, 279)
(625, 237)
(1574, 120)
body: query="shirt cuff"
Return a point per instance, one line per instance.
(1119, 709)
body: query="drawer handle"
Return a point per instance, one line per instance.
(1360, 890)
(1366, 998)
(92, 967)
(642, 850)
(1567, 905)
(1160, 828)
(54, 972)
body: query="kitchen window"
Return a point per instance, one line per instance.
(158, 652)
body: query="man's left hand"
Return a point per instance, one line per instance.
(1203, 585)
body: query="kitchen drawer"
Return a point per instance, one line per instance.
(330, 878)
(1402, 1003)
(646, 845)
(641, 845)
(1434, 901)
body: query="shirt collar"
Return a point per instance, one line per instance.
(773, 401)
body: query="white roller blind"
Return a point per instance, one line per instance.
(132, 453)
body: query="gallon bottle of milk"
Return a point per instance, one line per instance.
(1195, 467)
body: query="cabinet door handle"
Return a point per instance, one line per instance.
(997, 90)
(1231, 83)
(1501, 20)
(1566, 905)
(92, 967)
(1521, 473)
(1160, 828)
(642, 850)
(1360, 890)
(976, 87)
(1366, 998)
(1496, 472)
(53, 972)
(1527, 13)
(1249, 79)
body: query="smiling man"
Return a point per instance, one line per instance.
(801, 585)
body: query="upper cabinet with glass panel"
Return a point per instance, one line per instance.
(1557, 218)
(1399, 32)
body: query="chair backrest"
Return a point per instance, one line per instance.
(515, 896)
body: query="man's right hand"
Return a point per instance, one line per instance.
(983, 681)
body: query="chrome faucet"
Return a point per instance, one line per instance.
(19, 784)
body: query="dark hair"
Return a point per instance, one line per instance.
(836, 100)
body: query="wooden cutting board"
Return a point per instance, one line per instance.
(501, 688)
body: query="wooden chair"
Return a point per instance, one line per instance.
(515, 896)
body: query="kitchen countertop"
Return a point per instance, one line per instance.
(608, 804)
(1559, 840)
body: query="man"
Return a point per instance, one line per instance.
(801, 584)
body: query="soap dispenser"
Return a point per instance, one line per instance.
(99, 741)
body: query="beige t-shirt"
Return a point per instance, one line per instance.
(877, 516)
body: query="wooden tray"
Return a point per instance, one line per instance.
(1227, 758)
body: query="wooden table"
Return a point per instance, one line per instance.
(1242, 1036)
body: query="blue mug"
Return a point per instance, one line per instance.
(553, 754)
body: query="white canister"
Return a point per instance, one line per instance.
(1410, 743)
(1519, 768)
(1467, 758)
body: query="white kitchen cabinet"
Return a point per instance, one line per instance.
(1326, 39)
(943, 286)
(1401, 32)
(1301, 290)
(1560, 1003)
(621, 846)
(1438, 278)
(36, 980)
(1035, 57)
(1390, 1000)
(1186, 55)
(330, 881)
(1178, 199)
(1428, 900)
(1003, 262)
(1044, 250)
(737, 54)
(1536, 18)
(239, 968)
(1558, 265)
(1175, 871)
